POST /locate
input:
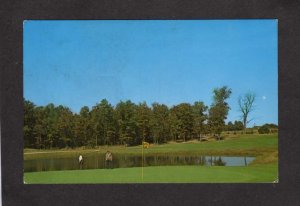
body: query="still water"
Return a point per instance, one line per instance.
(122, 161)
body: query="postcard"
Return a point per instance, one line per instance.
(150, 101)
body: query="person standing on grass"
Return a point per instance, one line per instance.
(80, 161)
(108, 160)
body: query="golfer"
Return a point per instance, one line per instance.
(80, 159)
(108, 160)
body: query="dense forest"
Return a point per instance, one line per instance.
(126, 123)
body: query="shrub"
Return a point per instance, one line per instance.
(264, 130)
(274, 130)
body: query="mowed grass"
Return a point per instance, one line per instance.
(240, 145)
(159, 174)
(263, 169)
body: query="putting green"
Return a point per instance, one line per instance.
(161, 174)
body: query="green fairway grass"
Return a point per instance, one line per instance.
(161, 174)
(240, 145)
(263, 169)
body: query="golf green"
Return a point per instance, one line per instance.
(164, 174)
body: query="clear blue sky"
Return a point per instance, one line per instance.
(78, 63)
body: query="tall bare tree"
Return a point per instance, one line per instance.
(246, 106)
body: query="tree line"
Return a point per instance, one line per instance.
(127, 123)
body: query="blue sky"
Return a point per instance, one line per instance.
(78, 63)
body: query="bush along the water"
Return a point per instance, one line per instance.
(264, 130)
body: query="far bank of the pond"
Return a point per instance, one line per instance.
(243, 145)
(162, 174)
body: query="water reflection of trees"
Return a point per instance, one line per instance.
(159, 160)
(125, 161)
(216, 161)
(219, 162)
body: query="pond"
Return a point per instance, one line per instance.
(123, 161)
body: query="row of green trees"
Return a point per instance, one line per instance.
(126, 123)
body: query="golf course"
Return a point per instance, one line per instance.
(263, 169)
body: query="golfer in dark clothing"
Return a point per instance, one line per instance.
(108, 160)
